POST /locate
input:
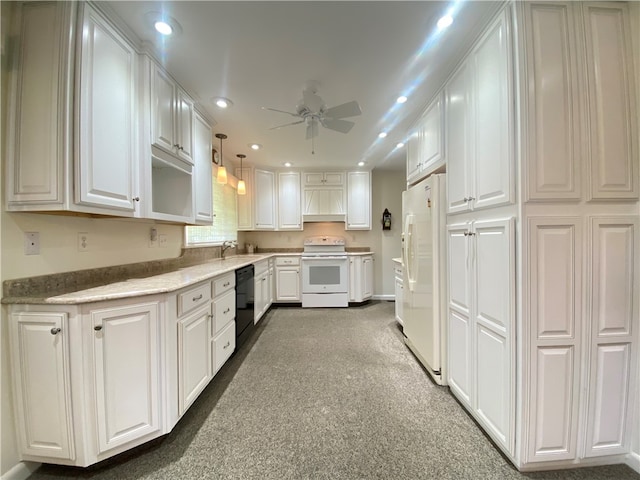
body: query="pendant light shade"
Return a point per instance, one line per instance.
(222, 171)
(242, 188)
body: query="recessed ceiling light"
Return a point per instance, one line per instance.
(163, 27)
(255, 146)
(400, 145)
(361, 164)
(222, 102)
(401, 99)
(382, 134)
(163, 24)
(445, 21)
(287, 164)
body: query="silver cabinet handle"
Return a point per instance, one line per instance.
(227, 310)
(175, 145)
(264, 279)
(228, 344)
(97, 328)
(226, 284)
(55, 330)
(199, 297)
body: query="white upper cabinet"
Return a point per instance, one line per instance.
(613, 129)
(289, 201)
(323, 179)
(265, 200)
(358, 201)
(479, 101)
(324, 193)
(552, 161)
(202, 174)
(41, 103)
(172, 116)
(578, 51)
(107, 158)
(425, 147)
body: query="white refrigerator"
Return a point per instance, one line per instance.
(424, 273)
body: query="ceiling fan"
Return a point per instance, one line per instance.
(312, 111)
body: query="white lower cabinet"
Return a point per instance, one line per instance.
(87, 379)
(126, 352)
(287, 279)
(263, 292)
(194, 353)
(41, 383)
(360, 278)
(481, 329)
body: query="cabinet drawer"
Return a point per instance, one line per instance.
(193, 298)
(260, 267)
(224, 283)
(223, 346)
(398, 272)
(224, 310)
(285, 261)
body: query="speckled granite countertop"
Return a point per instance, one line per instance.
(155, 284)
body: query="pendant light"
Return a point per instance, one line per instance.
(222, 172)
(242, 188)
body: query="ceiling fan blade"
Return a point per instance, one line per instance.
(349, 109)
(281, 111)
(342, 126)
(287, 124)
(312, 130)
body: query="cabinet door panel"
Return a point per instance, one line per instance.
(458, 138)
(553, 420)
(493, 379)
(432, 137)
(107, 157)
(335, 201)
(459, 294)
(553, 168)
(194, 343)
(358, 201)
(288, 285)
(289, 201)
(610, 390)
(42, 104)
(163, 110)
(42, 388)
(127, 371)
(265, 193)
(184, 107)
(555, 277)
(612, 278)
(203, 171)
(492, 101)
(460, 356)
(613, 128)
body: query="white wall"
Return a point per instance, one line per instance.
(387, 189)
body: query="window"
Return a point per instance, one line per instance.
(225, 218)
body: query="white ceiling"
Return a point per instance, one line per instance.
(261, 54)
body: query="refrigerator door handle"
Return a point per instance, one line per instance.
(409, 259)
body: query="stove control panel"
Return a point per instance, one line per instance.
(324, 240)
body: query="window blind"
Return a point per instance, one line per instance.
(225, 218)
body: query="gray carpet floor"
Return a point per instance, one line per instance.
(323, 394)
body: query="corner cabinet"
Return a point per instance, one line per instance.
(358, 201)
(98, 160)
(98, 367)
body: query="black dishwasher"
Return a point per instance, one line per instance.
(244, 304)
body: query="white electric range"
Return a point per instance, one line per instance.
(325, 272)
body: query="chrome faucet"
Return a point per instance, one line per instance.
(227, 245)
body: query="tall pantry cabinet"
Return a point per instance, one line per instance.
(541, 147)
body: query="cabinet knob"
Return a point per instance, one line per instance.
(136, 199)
(227, 345)
(226, 284)
(227, 310)
(97, 328)
(55, 330)
(175, 145)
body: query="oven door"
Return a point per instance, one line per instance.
(325, 274)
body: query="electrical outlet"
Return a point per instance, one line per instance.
(162, 240)
(83, 242)
(32, 243)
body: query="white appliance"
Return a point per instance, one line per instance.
(424, 273)
(325, 280)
